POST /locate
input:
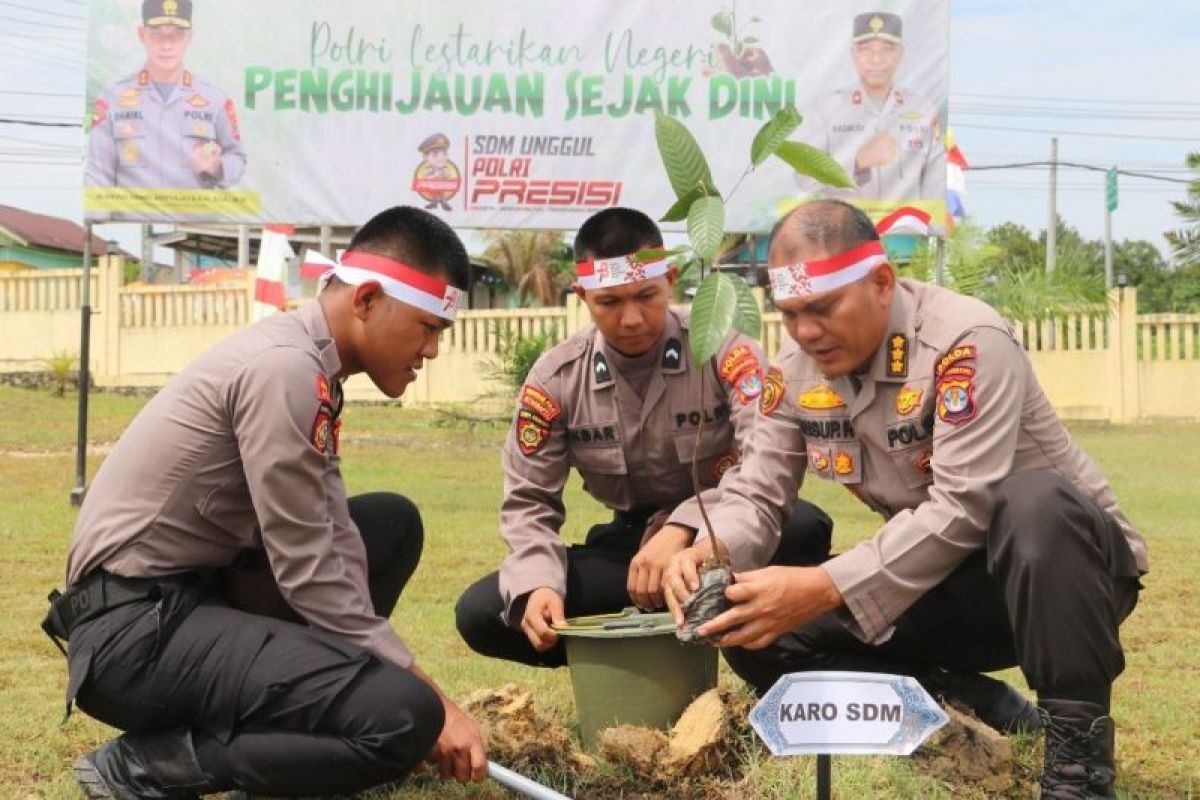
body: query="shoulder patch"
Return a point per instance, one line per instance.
(722, 465)
(323, 395)
(956, 400)
(321, 429)
(821, 398)
(231, 113)
(741, 370)
(772, 391)
(532, 431)
(960, 353)
(540, 402)
(99, 112)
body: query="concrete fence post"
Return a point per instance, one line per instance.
(1128, 338)
(111, 270)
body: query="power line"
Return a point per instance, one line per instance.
(41, 94)
(1050, 132)
(39, 123)
(39, 24)
(1077, 165)
(1049, 99)
(8, 4)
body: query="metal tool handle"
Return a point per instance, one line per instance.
(519, 783)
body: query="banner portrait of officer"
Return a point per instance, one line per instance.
(163, 127)
(887, 135)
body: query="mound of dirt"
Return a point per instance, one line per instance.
(520, 737)
(965, 751)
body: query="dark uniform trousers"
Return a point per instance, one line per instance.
(1047, 593)
(597, 581)
(271, 705)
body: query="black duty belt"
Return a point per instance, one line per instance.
(92, 596)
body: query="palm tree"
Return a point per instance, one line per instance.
(1185, 242)
(1015, 282)
(534, 263)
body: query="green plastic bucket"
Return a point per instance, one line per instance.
(629, 669)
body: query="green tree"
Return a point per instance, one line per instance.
(1185, 241)
(535, 264)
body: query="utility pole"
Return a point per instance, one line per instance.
(1110, 205)
(1052, 225)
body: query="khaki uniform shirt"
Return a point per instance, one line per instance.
(949, 408)
(844, 121)
(141, 141)
(577, 411)
(239, 451)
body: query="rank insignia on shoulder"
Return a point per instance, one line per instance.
(821, 398)
(600, 369)
(897, 361)
(672, 354)
(532, 431)
(772, 391)
(908, 399)
(540, 403)
(321, 429)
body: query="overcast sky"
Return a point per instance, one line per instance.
(1116, 80)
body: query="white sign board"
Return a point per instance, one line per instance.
(863, 713)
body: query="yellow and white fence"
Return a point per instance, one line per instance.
(1115, 366)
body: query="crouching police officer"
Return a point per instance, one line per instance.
(620, 401)
(226, 605)
(1002, 544)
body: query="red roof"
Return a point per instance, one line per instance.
(40, 230)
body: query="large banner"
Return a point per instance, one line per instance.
(500, 115)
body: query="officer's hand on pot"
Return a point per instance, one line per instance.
(682, 576)
(769, 602)
(458, 752)
(879, 150)
(543, 609)
(647, 567)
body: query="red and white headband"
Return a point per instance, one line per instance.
(400, 281)
(604, 273)
(905, 220)
(813, 277)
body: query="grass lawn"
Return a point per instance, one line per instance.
(452, 473)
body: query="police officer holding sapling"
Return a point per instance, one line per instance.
(1001, 543)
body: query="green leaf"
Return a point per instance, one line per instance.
(808, 160)
(747, 316)
(679, 211)
(722, 21)
(706, 226)
(773, 134)
(713, 311)
(656, 253)
(685, 164)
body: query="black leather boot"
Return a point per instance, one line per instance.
(995, 702)
(1079, 751)
(148, 766)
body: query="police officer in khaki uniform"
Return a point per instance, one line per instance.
(1002, 543)
(620, 401)
(163, 127)
(887, 137)
(226, 605)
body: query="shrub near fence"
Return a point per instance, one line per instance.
(1117, 367)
